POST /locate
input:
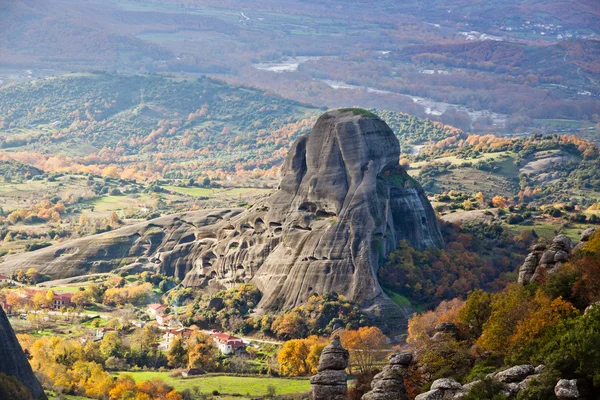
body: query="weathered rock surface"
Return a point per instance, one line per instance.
(543, 261)
(389, 383)
(330, 382)
(446, 384)
(514, 380)
(343, 204)
(515, 374)
(435, 394)
(13, 361)
(444, 389)
(572, 389)
(588, 233)
(445, 330)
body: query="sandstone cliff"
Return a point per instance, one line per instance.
(343, 204)
(13, 361)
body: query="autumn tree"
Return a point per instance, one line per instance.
(508, 308)
(111, 345)
(202, 352)
(299, 357)
(475, 312)
(421, 326)
(537, 327)
(177, 354)
(365, 345)
(32, 275)
(80, 298)
(290, 325)
(499, 202)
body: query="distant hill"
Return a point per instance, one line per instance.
(178, 124)
(12, 170)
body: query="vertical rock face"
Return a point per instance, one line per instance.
(330, 381)
(389, 383)
(343, 205)
(13, 361)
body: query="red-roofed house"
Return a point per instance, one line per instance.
(228, 344)
(156, 309)
(61, 300)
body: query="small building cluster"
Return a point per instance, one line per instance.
(226, 343)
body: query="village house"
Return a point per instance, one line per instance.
(61, 300)
(155, 309)
(186, 373)
(228, 344)
(171, 333)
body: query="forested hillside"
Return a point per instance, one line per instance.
(162, 125)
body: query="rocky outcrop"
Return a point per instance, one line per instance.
(13, 361)
(442, 389)
(330, 381)
(389, 383)
(516, 378)
(571, 389)
(444, 331)
(513, 380)
(543, 260)
(343, 204)
(587, 234)
(514, 374)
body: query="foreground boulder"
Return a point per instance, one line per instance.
(330, 381)
(13, 361)
(389, 383)
(343, 204)
(571, 389)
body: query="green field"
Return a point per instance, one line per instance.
(548, 230)
(222, 193)
(193, 191)
(229, 385)
(397, 298)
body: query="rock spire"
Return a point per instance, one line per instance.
(330, 381)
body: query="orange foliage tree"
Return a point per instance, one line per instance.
(366, 346)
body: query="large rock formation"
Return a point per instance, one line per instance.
(544, 260)
(343, 204)
(13, 361)
(330, 381)
(389, 383)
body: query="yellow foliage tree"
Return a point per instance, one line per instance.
(499, 201)
(508, 308)
(300, 356)
(365, 346)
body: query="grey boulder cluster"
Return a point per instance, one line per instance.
(513, 380)
(389, 383)
(343, 205)
(544, 260)
(330, 381)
